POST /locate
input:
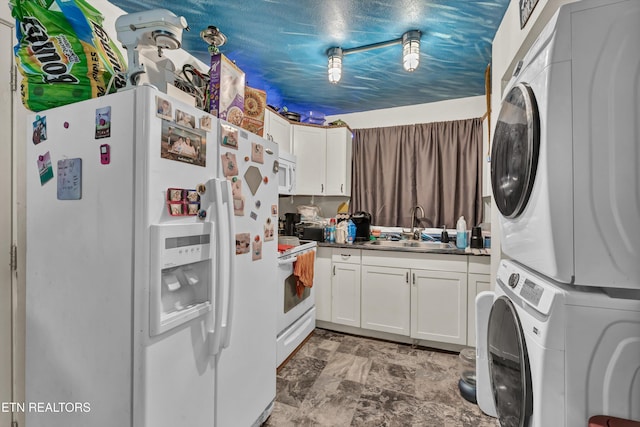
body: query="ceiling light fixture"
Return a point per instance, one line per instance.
(410, 53)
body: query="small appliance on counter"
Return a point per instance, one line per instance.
(362, 220)
(290, 222)
(310, 231)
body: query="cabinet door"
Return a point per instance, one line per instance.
(278, 129)
(439, 306)
(322, 284)
(386, 299)
(345, 294)
(338, 162)
(477, 283)
(310, 148)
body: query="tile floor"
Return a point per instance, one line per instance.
(343, 380)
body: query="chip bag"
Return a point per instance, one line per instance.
(63, 53)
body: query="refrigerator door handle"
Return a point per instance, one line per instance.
(217, 273)
(227, 196)
(225, 230)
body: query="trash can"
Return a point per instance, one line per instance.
(467, 381)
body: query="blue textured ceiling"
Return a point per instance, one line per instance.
(281, 46)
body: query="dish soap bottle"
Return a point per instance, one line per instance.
(461, 233)
(351, 232)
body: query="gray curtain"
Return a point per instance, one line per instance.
(435, 165)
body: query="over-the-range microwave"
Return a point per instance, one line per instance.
(287, 173)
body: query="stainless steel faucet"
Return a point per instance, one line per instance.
(414, 232)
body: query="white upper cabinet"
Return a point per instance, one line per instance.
(323, 160)
(278, 129)
(310, 148)
(339, 161)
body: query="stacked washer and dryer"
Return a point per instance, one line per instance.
(562, 339)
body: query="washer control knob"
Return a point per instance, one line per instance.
(513, 279)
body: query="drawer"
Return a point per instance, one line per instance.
(350, 256)
(480, 264)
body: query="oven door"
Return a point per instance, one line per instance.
(291, 306)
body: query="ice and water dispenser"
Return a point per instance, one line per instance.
(182, 276)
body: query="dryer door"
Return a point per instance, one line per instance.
(509, 369)
(514, 155)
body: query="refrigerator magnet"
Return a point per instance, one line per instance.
(253, 215)
(269, 230)
(164, 109)
(253, 177)
(70, 179)
(243, 241)
(205, 123)
(229, 164)
(44, 168)
(228, 136)
(256, 251)
(257, 153)
(238, 206)
(39, 130)
(103, 122)
(274, 210)
(185, 119)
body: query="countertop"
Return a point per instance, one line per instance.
(364, 246)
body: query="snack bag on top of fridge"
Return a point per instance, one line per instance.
(63, 53)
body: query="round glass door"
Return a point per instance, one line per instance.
(509, 370)
(514, 154)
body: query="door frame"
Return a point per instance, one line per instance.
(12, 188)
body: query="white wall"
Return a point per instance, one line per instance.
(455, 109)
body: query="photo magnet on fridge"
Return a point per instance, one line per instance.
(243, 242)
(164, 109)
(39, 130)
(103, 122)
(256, 252)
(269, 230)
(228, 136)
(229, 164)
(183, 144)
(45, 168)
(257, 153)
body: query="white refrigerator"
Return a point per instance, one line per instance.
(246, 366)
(129, 251)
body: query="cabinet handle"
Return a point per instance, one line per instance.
(407, 278)
(342, 188)
(322, 188)
(334, 270)
(347, 256)
(414, 278)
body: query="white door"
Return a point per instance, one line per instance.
(345, 294)
(6, 238)
(386, 299)
(439, 306)
(310, 148)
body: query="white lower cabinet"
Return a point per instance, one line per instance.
(439, 306)
(322, 284)
(427, 297)
(345, 294)
(386, 298)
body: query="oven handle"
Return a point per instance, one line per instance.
(288, 260)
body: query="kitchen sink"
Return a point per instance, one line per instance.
(412, 244)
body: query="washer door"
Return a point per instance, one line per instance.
(509, 370)
(514, 155)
